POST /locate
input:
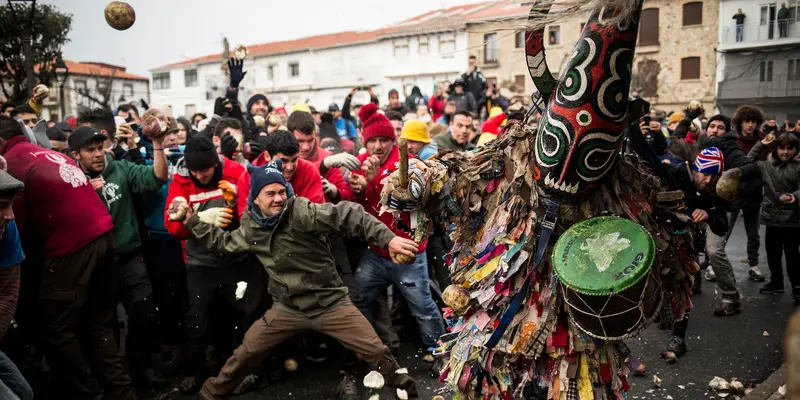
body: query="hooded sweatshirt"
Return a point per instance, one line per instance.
(124, 179)
(370, 198)
(415, 99)
(58, 205)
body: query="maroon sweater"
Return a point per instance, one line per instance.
(58, 205)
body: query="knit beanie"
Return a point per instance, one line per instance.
(719, 117)
(709, 161)
(374, 124)
(675, 117)
(200, 154)
(256, 97)
(416, 131)
(264, 175)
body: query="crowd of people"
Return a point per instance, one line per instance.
(227, 235)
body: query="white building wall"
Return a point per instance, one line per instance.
(132, 90)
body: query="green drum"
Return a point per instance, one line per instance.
(604, 265)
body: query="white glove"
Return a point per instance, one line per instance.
(342, 160)
(330, 190)
(216, 216)
(178, 208)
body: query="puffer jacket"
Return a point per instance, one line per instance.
(296, 252)
(779, 178)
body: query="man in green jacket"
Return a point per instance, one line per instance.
(116, 182)
(289, 236)
(458, 137)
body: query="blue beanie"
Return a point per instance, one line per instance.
(256, 97)
(266, 175)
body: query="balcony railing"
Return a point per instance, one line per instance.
(779, 87)
(777, 31)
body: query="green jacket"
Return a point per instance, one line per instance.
(444, 141)
(296, 252)
(123, 180)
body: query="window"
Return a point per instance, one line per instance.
(490, 48)
(161, 81)
(519, 40)
(400, 48)
(271, 71)
(127, 90)
(690, 68)
(519, 82)
(447, 43)
(424, 47)
(190, 109)
(793, 70)
(80, 87)
(294, 69)
(554, 35)
(190, 78)
(648, 27)
(693, 13)
(764, 14)
(765, 71)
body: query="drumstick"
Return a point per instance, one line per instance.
(402, 144)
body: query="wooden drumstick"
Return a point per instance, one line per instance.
(402, 144)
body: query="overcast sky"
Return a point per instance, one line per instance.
(168, 31)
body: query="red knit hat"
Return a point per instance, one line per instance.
(375, 124)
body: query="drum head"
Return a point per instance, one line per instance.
(603, 255)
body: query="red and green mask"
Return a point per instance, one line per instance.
(581, 129)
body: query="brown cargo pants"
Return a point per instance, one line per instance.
(77, 301)
(343, 323)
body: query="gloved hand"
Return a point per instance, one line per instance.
(228, 192)
(341, 160)
(216, 216)
(228, 145)
(236, 74)
(178, 208)
(252, 150)
(330, 190)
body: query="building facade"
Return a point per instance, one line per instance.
(92, 85)
(759, 60)
(675, 56)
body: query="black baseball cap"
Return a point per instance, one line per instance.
(83, 136)
(64, 127)
(333, 107)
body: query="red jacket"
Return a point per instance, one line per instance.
(493, 125)
(436, 106)
(200, 199)
(334, 175)
(306, 182)
(58, 204)
(370, 198)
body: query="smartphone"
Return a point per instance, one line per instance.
(646, 119)
(135, 128)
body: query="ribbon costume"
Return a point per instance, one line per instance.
(517, 328)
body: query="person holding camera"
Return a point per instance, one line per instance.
(492, 99)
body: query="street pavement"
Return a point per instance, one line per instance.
(747, 346)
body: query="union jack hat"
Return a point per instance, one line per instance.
(709, 161)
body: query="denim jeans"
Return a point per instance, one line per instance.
(718, 258)
(12, 384)
(739, 32)
(375, 274)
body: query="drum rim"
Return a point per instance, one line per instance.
(651, 259)
(642, 326)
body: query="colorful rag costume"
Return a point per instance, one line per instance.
(521, 327)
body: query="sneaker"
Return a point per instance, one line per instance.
(756, 275)
(771, 288)
(710, 275)
(676, 347)
(728, 307)
(348, 388)
(191, 385)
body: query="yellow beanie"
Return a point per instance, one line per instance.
(415, 130)
(486, 137)
(301, 107)
(675, 117)
(495, 111)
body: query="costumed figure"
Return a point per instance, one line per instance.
(568, 238)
